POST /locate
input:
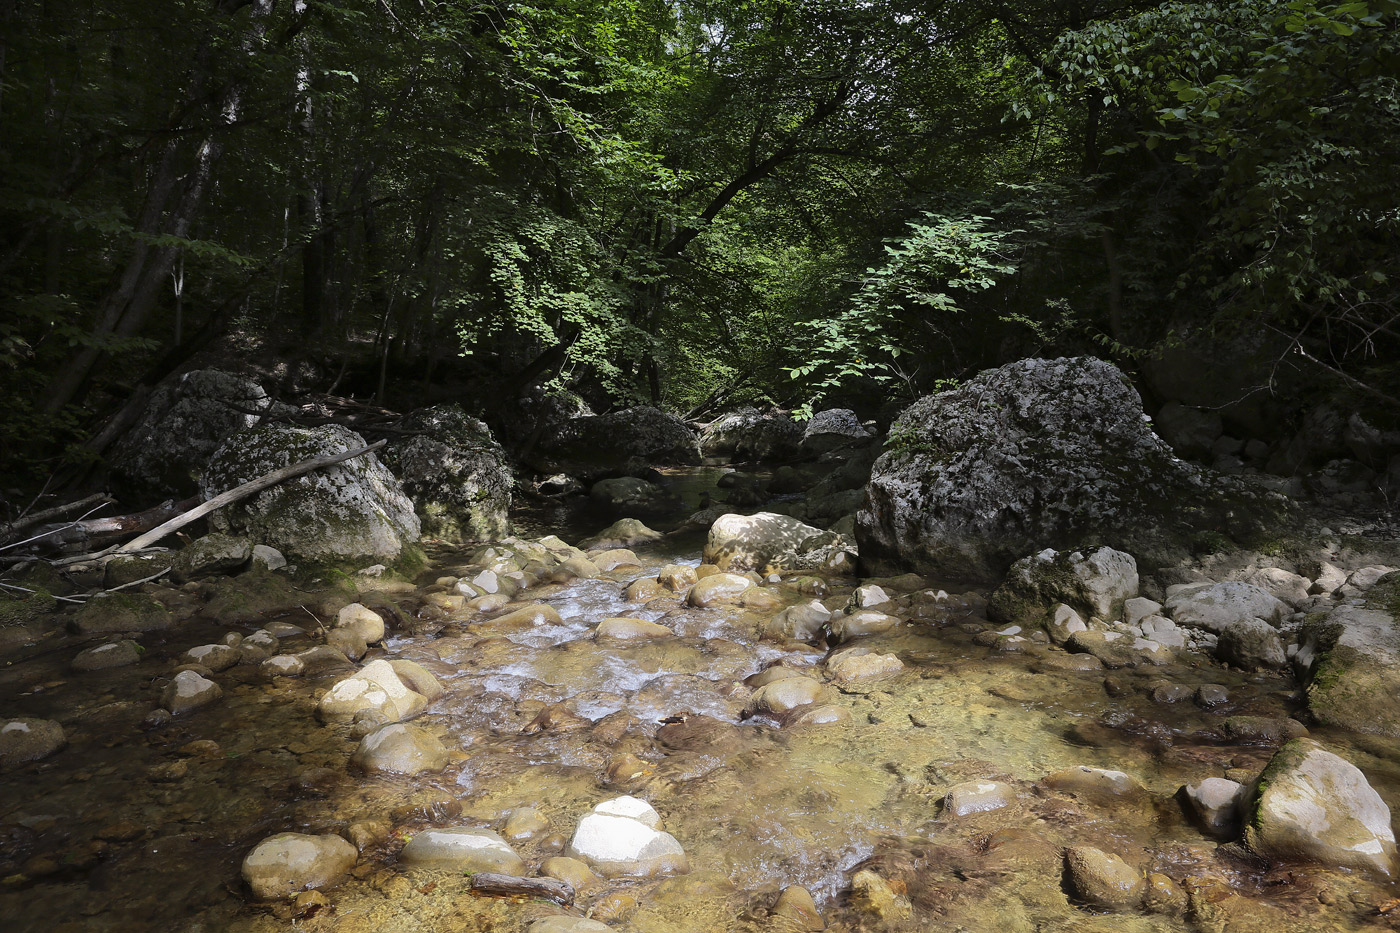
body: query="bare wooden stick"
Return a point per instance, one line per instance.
(223, 499)
(38, 518)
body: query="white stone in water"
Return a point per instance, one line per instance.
(1010, 630)
(487, 581)
(110, 646)
(977, 797)
(620, 845)
(462, 849)
(632, 807)
(15, 727)
(189, 691)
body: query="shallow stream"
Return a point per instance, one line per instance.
(133, 829)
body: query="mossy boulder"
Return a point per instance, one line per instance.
(1092, 581)
(121, 612)
(1036, 454)
(1350, 661)
(594, 447)
(750, 434)
(1312, 805)
(354, 511)
(456, 474)
(255, 596)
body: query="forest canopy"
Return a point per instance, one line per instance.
(688, 204)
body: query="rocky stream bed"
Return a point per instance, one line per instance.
(738, 753)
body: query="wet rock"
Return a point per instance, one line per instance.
(1350, 662)
(752, 542)
(1104, 880)
(455, 472)
(23, 740)
(802, 622)
(833, 429)
(624, 631)
(418, 678)
(1315, 806)
(676, 577)
(1040, 453)
(1262, 730)
(796, 912)
(400, 748)
(525, 823)
(748, 434)
(1211, 695)
(851, 667)
(268, 558)
(702, 734)
(781, 696)
(1139, 608)
(641, 591)
(212, 555)
(573, 872)
(1251, 644)
(1062, 661)
(717, 588)
(865, 622)
(1115, 649)
(568, 925)
(355, 510)
(621, 837)
(113, 654)
(623, 533)
(873, 895)
(367, 624)
(1216, 803)
(348, 642)
(613, 559)
(290, 862)
(188, 691)
(1063, 622)
(213, 657)
(375, 687)
(1216, 606)
(460, 849)
(978, 797)
(283, 665)
(629, 495)
(1171, 693)
(121, 612)
(1092, 582)
(1097, 784)
(816, 714)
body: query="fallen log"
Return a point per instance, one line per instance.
(94, 531)
(222, 499)
(491, 884)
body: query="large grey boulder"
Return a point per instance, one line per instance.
(1251, 644)
(456, 474)
(1094, 582)
(290, 862)
(352, 511)
(1314, 806)
(833, 429)
(751, 542)
(750, 434)
(1217, 606)
(184, 422)
(376, 687)
(1350, 662)
(596, 446)
(1035, 454)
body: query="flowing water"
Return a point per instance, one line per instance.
(132, 829)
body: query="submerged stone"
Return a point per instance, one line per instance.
(290, 862)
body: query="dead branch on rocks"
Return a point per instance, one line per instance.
(222, 499)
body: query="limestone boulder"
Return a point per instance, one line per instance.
(1252, 644)
(461, 849)
(113, 654)
(833, 429)
(750, 434)
(592, 447)
(353, 511)
(752, 542)
(1104, 879)
(212, 555)
(290, 862)
(184, 422)
(376, 687)
(622, 837)
(1035, 454)
(367, 624)
(400, 748)
(631, 496)
(623, 533)
(1095, 582)
(1312, 805)
(188, 691)
(972, 797)
(25, 739)
(1215, 606)
(717, 588)
(1350, 662)
(456, 473)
